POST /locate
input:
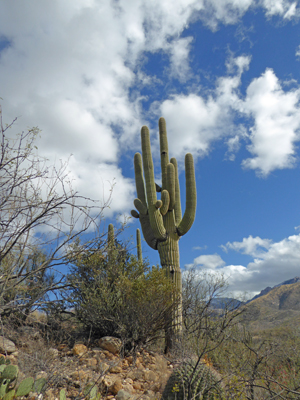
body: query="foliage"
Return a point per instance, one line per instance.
(114, 294)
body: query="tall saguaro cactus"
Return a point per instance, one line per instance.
(161, 219)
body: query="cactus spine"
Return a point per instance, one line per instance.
(193, 382)
(161, 220)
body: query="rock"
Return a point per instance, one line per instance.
(7, 345)
(116, 370)
(150, 376)
(41, 374)
(128, 388)
(135, 374)
(137, 385)
(116, 387)
(79, 375)
(92, 362)
(111, 344)
(53, 353)
(123, 395)
(79, 350)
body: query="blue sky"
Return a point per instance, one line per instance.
(223, 73)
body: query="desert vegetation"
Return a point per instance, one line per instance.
(58, 321)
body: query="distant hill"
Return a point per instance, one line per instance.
(275, 307)
(268, 289)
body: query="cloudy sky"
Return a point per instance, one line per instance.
(223, 73)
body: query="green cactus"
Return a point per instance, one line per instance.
(39, 385)
(192, 381)
(25, 387)
(10, 372)
(161, 220)
(62, 394)
(8, 378)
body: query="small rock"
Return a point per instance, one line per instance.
(116, 387)
(150, 376)
(128, 380)
(135, 374)
(137, 385)
(123, 395)
(111, 344)
(53, 353)
(7, 345)
(41, 374)
(79, 375)
(79, 350)
(128, 388)
(116, 370)
(63, 347)
(91, 362)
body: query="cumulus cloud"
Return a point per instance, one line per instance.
(272, 264)
(211, 261)
(285, 8)
(195, 122)
(251, 246)
(70, 67)
(277, 121)
(179, 58)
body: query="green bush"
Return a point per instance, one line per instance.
(114, 294)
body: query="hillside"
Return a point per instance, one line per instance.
(279, 306)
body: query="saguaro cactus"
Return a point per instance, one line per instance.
(161, 220)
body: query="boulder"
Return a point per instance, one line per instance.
(6, 346)
(111, 344)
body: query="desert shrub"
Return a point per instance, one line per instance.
(114, 294)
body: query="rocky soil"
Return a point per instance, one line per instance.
(72, 368)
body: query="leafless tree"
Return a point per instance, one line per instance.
(39, 209)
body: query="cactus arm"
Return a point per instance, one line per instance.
(191, 197)
(166, 201)
(164, 153)
(177, 209)
(139, 178)
(155, 216)
(171, 185)
(142, 209)
(149, 236)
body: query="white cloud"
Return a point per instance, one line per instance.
(284, 8)
(272, 264)
(70, 68)
(179, 58)
(277, 122)
(251, 246)
(210, 261)
(298, 52)
(195, 122)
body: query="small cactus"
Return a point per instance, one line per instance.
(25, 387)
(62, 394)
(39, 385)
(10, 372)
(193, 382)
